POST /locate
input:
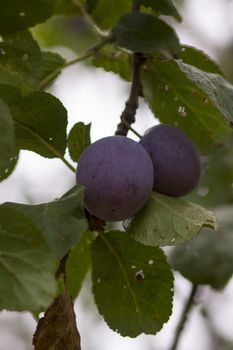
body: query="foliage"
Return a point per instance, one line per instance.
(132, 281)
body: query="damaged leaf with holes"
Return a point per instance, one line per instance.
(177, 98)
(132, 284)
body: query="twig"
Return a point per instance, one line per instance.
(90, 52)
(96, 30)
(187, 308)
(131, 106)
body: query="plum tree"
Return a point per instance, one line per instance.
(118, 175)
(176, 161)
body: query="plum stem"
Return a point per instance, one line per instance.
(128, 115)
(184, 316)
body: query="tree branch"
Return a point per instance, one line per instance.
(131, 106)
(187, 308)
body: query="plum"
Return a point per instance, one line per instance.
(176, 161)
(117, 173)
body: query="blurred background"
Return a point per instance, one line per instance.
(92, 95)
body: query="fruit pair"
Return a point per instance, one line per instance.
(119, 173)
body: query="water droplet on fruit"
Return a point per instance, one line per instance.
(182, 111)
(140, 275)
(151, 262)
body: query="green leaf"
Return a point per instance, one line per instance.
(140, 32)
(78, 264)
(51, 62)
(61, 221)
(20, 61)
(208, 259)
(11, 167)
(219, 90)
(198, 58)
(174, 99)
(132, 284)
(7, 139)
(216, 183)
(66, 7)
(167, 220)
(17, 15)
(106, 13)
(164, 7)
(110, 60)
(26, 264)
(40, 121)
(78, 140)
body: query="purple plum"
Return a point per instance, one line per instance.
(176, 161)
(117, 173)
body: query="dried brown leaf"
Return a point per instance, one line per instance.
(57, 330)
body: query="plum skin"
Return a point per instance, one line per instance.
(117, 173)
(176, 161)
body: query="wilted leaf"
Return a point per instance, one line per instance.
(167, 220)
(132, 284)
(62, 221)
(26, 264)
(57, 330)
(78, 140)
